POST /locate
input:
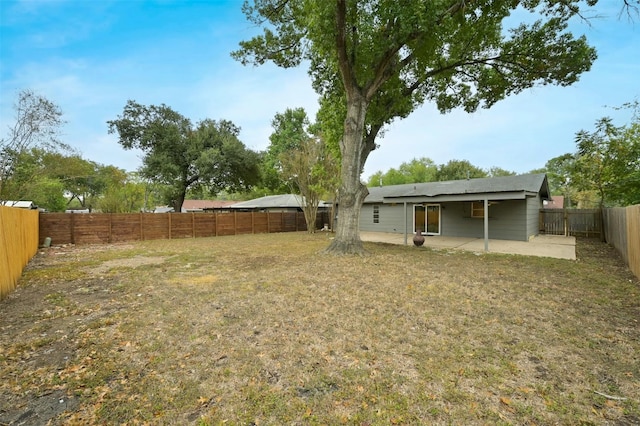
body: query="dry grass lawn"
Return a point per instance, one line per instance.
(265, 330)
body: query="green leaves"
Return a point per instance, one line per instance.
(608, 161)
(181, 156)
(373, 61)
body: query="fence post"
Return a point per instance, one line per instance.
(72, 224)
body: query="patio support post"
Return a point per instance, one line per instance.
(486, 224)
(405, 223)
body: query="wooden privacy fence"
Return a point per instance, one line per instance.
(622, 231)
(18, 244)
(65, 228)
(576, 222)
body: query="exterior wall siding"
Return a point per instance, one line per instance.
(534, 204)
(390, 218)
(508, 220)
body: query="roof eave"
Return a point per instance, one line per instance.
(491, 196)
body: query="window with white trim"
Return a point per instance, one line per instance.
(376, 214)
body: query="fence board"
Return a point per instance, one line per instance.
(244, 223)
(181, 225)
(57, 226)
(615, 220)
(552, 222)
(64, 228)
(91, 228)
(622, 231)
(18, 244)
(226, 224)
(261, 222)
(633, 238)
(125, 227)
(576, 222)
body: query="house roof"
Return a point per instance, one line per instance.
(205, 204)
(503, 187)
(556, 202)
(274, 201)
(163, 209)
(19, 204)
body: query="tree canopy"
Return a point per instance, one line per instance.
(459, 169)
(290, 130)
(425, 170)
(608, 161)
(417, 170)
(181, 155)
(300, 161)
(604, 169)
(37, 125)
(373, 61)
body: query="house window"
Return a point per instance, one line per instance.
(477, 209)
(376, 214)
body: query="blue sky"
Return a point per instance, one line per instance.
(91, 56)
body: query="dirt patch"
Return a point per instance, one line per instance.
(132, 262)
(262, 329)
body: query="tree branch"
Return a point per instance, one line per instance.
(344, 64)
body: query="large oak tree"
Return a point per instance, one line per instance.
(376, 60)
(183, 156)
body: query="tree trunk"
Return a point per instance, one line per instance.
(310, 214)
(352, 192)
(177, 204)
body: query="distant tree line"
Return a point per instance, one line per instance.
(603, 171)
(207, 160)
(425, 170)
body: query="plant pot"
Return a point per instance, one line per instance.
(418, 239)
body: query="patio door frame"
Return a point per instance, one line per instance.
(424, 214)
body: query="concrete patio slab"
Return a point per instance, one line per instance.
(555, 246)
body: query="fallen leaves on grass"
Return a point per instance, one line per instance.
(263, 329)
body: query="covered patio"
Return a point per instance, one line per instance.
(556, 246)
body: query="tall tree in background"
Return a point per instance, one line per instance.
(415, 171)
(608, 161)
(181, 156)
(377, 60)
(83, 180)
(560, 172)
(37, 125)
(32, 180)
(301, 161)
(459, 169)
(127, 195)
(290, 130)
(313, 170)
(499, 171)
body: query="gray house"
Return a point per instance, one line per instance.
(503, 208)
